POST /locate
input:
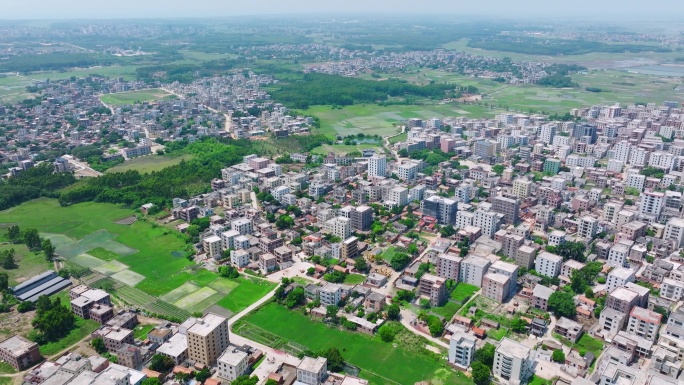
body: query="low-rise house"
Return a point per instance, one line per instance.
(568, 329)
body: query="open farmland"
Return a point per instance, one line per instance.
(381, 360)
(144, 264)
(124, 98)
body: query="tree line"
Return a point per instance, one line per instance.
(36, 182)
(323, 89)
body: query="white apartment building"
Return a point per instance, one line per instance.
(619, 277)
(228, 239)
(674, 230)
(671, 289)
(242, 226)
(339, 226)
(399, 195)
(377, 166)
(232, 364)
(610, 211)
(473, 270)
(548, 264)
(330, 294)
(644, 323)
(407, 171)
(239, 258)
(556, 237)
(448, 266)
(638, 157)
(487, 221)
(312, 371)
(617, 256)
(588, 227)
(212, 246)
(635, 180)
(512, 362)
(547, 133)
(652, 203)
(621, 151)
(464, 218)
(522, 188)
(461, 349)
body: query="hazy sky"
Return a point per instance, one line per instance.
(70, 9)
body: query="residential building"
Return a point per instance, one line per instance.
(508, 207)
(440, 208)
(619, 277)
(473, 270)
(540, 297)
(569, 329)
(434, 288)
(330, 294)
(644, 323)
(377, 166)
(312, 371)
(461, 349)
(512, 362)
(207, 338)
(548, 264)
(496, 286)
(19, 352)
(448, 266)
(611, 322)
(233, 363)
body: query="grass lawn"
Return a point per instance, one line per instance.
(370, 354)
(148, 164)
(536, 380)
(497, 334)
(124, 98)
(141, 331)
(447, 310)
(463, 292)
(373, 119)
(245, 294)
(29, 264)
(6, 368)
(354, 279)
(590, 344)
(81, 329)
(103, 254)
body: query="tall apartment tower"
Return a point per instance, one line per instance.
(508, 207)
(377, 165)
(361, 218)
(207, 338)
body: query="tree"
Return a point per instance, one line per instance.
(518, 325)
(32, 239)
(571, 250)
(360, 264)
(480, 373)
(335, 360)
(436, 327)
(52, 320)
(284, 222)
(400, 261)
(331, 311)
(48, 249)
(296, 297)
(447, 231)
(14, 234)
(228, 271)
(161, 363)
(498, 169)
(562, 304)
(4, 281)
(558, 356)
(405, 295)
(310, 271)
(7, 259)
(25, 306)
(485, 354)
(203, 375)
(424, 303)
(151, 381)
(393, 312)
(99, 345)
(271, 382)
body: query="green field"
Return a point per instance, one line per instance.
(246, 293)
(463, 292)
(140, 331)
(383, 360)
(124, 98)
(148, 164)
(141, 255)
(341, 149)
(447, 310)
(354, 279)
(372, 119)
(83, 328)
(28, 263)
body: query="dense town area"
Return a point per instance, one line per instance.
(210, 224)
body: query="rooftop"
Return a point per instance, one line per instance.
(645, 315)
(204, 326)
(510, 348)
(312, 365)
(17, 345)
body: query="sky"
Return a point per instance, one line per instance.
(76, 9)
